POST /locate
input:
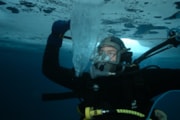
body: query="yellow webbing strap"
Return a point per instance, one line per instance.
(90, 112)
(130, 112)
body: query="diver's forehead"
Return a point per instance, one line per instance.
(108, 48)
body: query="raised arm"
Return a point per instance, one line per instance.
(51, 67)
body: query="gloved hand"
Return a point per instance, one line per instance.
(58, 30)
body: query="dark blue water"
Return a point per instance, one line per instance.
(22, 85)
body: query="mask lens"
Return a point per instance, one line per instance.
(111, 54)
(103, 57)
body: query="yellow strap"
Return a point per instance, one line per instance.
(90, 113)
(130, 112)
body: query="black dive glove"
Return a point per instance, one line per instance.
(58, 30)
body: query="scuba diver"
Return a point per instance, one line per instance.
(114, 88)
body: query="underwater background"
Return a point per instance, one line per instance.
(22, 85)
(24, 28)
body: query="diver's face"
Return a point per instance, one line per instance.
(109, 51)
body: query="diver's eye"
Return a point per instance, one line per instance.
(111, 53)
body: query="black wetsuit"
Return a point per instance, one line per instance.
(112, 92)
